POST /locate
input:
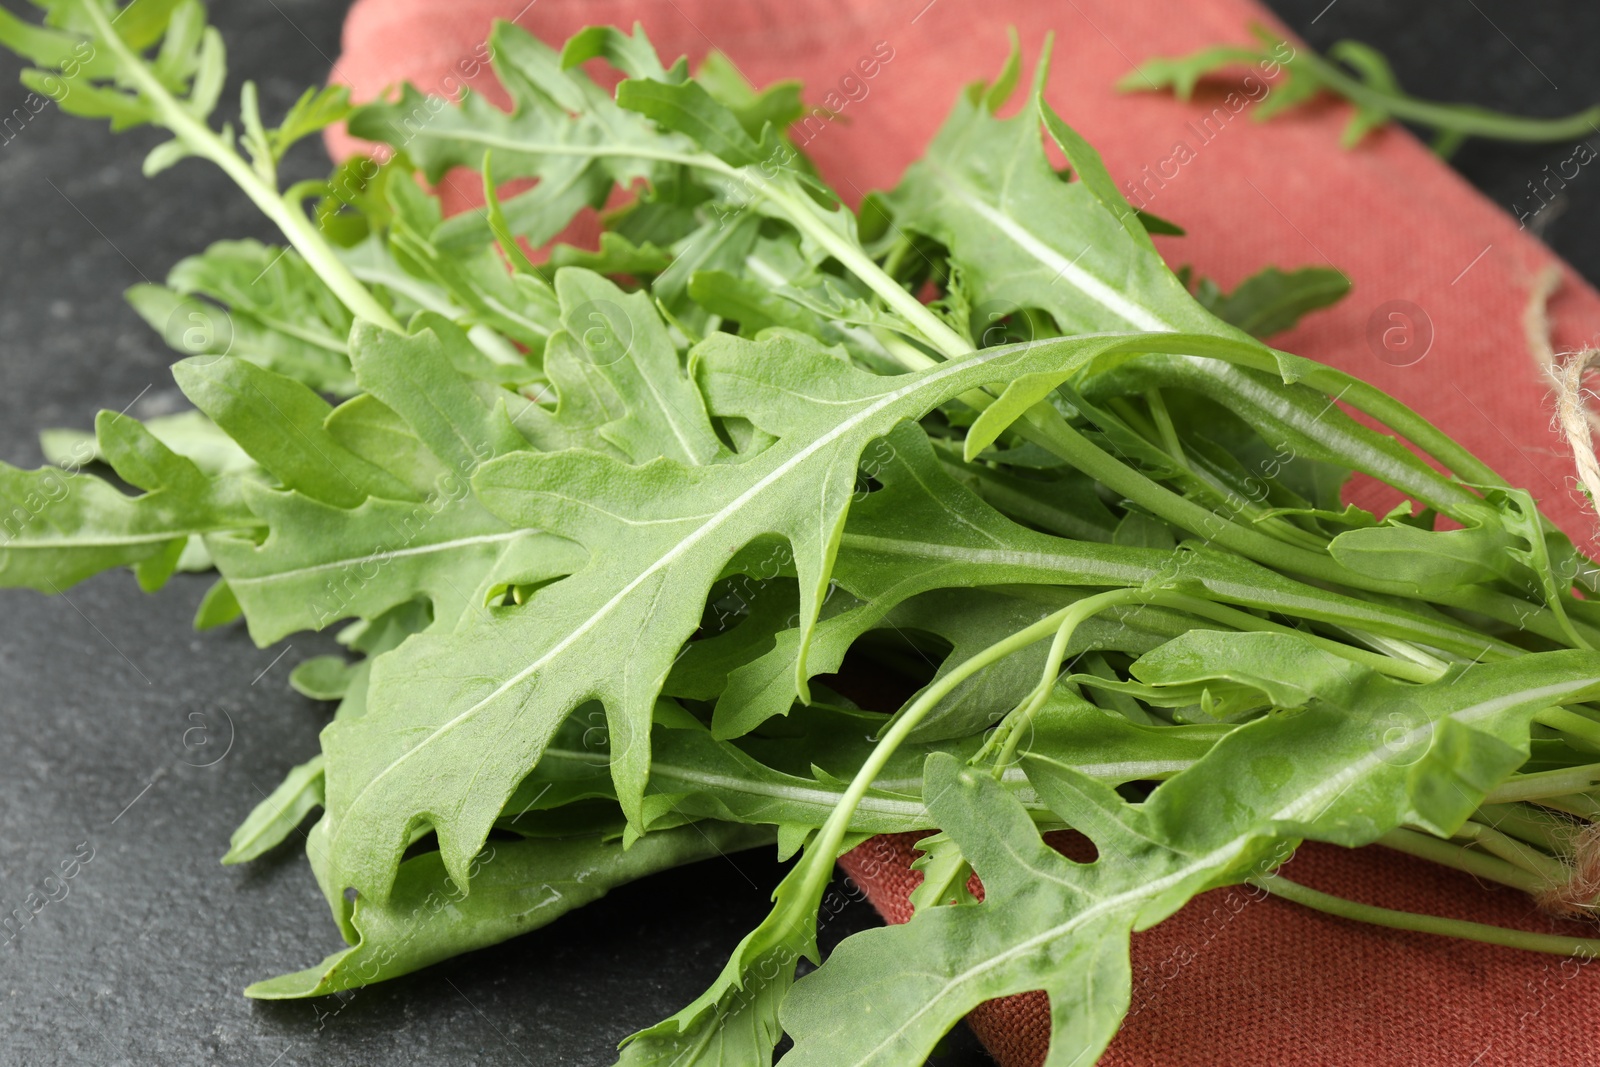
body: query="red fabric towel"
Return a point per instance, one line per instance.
(1230, 979)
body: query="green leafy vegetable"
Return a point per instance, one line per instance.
(717, 535)
(1272, 301)
(1359, 74)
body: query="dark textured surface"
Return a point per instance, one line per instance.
(106, 697)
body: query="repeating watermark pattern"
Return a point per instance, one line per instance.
(12, 125)
(875, 459)
(198, 328)
(1553, 978)
(53, 888)
(596, 733)
(1547, 190)
(54, 485)
(743, 589)
(1401, 741)
(57, 84)
(854, 86)
(1399, 333)
(1255, 492)
(340, 590)
(432, 104)
(208, 738)
(1253, 88)
(603, 330)
(1000, 322)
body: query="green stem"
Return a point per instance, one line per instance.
(1552, 944)
(1516, 852)
(1163, 421)
(1401, 469)
(1068, 619)
(1403, 669)
(1464, 119)
(1445, 854)
(1577, 727)
(205, 142)
(821, 853)
(1534, 825)
(1397, 416)
(1053, 432)
(1582, 805)
(1394, 414)
(1159, 430)
(854, 259)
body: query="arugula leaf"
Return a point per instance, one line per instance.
(1028, 240)
(331, 554)
(823, 414)
(563, 129)
(280, 423)
(599, 538)
(1365, 80)
(1050, 923)
(278, 814)
(276, 313)
(62, 524)
(517, 886)
(1271, 300)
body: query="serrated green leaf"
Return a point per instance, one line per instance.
(274, 312)
(1026, 239)
(690, 110)
(823, 413)
(517, 886)
(279, 814)
(1182, 73)
(632, 54)
(1335, 773)
(557, 113)
(1272, 301)
(280, 423)
(322, 677)
(61, 524)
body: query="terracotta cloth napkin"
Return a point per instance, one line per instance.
(1230, 979)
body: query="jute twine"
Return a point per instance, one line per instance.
(1565, 375)
(1579, 893)
(1574, 419)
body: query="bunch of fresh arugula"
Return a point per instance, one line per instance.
(612, 538)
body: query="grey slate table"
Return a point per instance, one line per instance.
(124, 733)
